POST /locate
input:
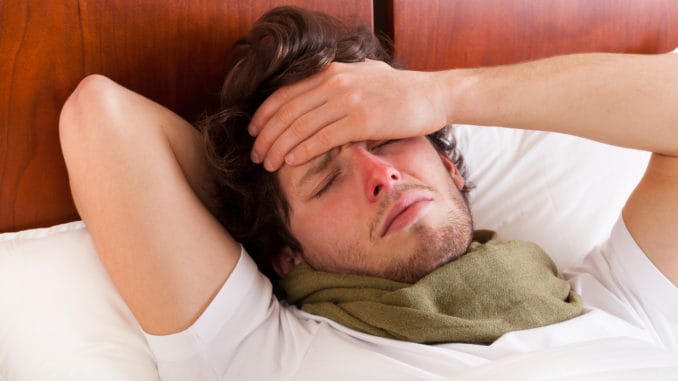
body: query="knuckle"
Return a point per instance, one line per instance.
(286, 115)
(272, 103)
(263, 112)
(323, 139)
(355, 98)
(333, 68)
(274, 156)
(260, 145)
(265, 140)
(360, 116)
(281, 94)
(340, 80)
(297, 131)
(363, 109)
(302, 151)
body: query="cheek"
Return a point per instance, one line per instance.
(320, 225)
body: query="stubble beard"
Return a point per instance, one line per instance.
(435, 247)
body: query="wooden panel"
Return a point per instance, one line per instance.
(169, 50)
(438, 34)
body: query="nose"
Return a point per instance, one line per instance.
(379, 176)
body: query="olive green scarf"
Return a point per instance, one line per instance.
(493, 289)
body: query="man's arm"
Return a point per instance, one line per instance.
(625, 100)
(651, 214)
(137, 174)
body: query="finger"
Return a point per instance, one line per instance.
(285, 94)
(346, 110)
(302, 129)
(335, 134)
(285, 117)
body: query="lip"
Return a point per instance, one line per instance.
(404, 212)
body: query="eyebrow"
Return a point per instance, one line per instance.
(319, 166)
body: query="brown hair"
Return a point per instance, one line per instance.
(285, 45)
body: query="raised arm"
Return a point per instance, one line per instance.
(625, 100)
(137, 175)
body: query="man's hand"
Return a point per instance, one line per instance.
(346, 103)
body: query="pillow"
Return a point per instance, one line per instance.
(559, 191)
(62, 318)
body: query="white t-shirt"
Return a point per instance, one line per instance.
(629, 331)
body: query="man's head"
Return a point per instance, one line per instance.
(392, 209)
(395, 209)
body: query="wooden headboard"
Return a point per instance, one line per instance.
(441, 34)
(174, 52)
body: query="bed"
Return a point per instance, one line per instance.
(60, 315)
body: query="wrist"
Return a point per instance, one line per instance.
(455, 94)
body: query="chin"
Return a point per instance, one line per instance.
(434, 247)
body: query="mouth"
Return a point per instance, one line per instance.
(405, 212)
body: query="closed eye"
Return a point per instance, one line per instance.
(327, 183)
(383, 143)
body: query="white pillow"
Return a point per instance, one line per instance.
(559, 191)
(60, 316)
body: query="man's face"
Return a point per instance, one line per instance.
(391, 209)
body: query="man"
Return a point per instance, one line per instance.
(365, 201)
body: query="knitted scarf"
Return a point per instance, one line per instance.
(493, 289)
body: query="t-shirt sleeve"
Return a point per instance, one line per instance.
(207, 349)
(619, 278)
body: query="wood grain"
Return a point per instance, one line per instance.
(174, 53)
(171, 51)
(439, 34)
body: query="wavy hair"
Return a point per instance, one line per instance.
(286, 45)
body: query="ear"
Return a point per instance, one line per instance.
(285, 261)
(458, 179)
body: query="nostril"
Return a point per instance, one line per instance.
(376, 190)
(394, 176)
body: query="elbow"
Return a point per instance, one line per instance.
(80, 114)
